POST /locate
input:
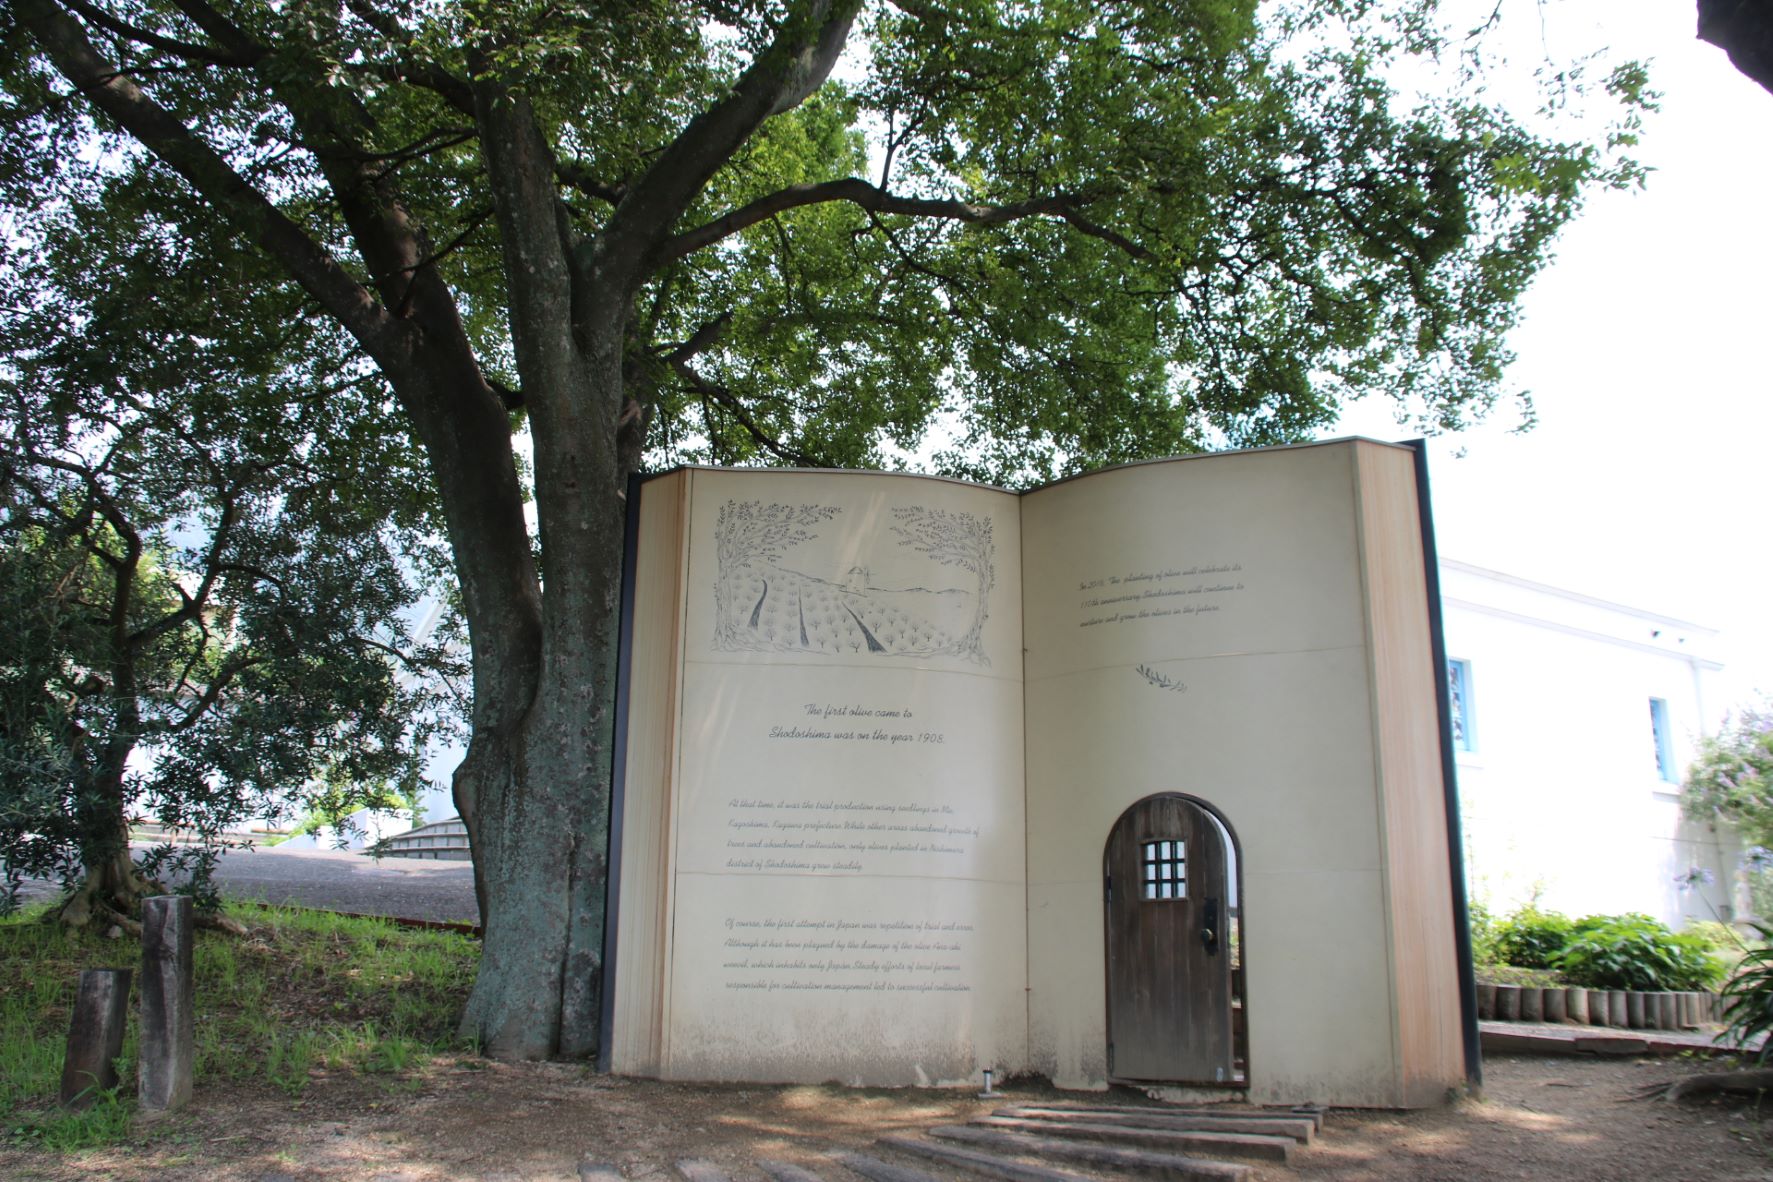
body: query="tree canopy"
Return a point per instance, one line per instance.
(1731, 779)
(1058, 234)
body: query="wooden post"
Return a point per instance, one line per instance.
(168, 1037)
(1576, 1006)
(95, 1035)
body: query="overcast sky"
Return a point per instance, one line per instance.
(1648, 347)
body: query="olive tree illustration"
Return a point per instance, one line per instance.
(750, 534)
(955, 539)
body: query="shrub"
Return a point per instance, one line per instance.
(1531, 938)
(1748, 998)
(1633, 951)
(1483, 936)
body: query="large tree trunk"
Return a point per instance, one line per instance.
(111, 892)
(1744, 30)
(112, 889)
(542, 845)
(542, 790)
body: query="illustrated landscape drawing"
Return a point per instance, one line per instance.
(771, 594)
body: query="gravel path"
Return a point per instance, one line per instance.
(337, 880)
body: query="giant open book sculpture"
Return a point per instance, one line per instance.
(1134, 777)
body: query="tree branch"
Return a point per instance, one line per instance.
(193, 603)
(453, 90)
(212, 693)
(700, 340)
(877, 200)
(577, 176)
(206, 171)
(225, 32)
(185, 49)
(781, 77)
(730, 403)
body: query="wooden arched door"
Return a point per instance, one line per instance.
(1167, 880)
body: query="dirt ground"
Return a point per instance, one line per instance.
(460, 1120)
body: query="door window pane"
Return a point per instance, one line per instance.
(1164, 870)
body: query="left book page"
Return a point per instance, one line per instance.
(823, 824)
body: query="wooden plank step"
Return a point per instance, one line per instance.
(1168, 1167)
(988, 1164)
(694, 1169)
(1315, 1112)
(1300, 1128)
(786, 1171)
(876, 1170)
(1219, 1143)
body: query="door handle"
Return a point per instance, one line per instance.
(1209, 932)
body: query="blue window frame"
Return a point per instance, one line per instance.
(1459, 705)
(1659, 734)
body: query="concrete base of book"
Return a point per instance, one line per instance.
(879, 728)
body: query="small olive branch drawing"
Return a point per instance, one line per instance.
(1159, 680)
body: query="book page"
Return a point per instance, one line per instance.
(848, 854)
(1198, 627)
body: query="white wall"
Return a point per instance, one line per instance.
(1561, 795)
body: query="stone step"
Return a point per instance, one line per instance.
(989, 1164)
(1167, 1167)
(599, 1171)
(694, 1169)
(786, 1171)
(1299, 1128)
(1215, 1142)
(1314, 1111)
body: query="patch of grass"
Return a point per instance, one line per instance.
(1508, 974)
(303, 991)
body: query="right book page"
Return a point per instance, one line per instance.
(1206, 628)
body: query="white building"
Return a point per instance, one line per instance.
(1575, 720)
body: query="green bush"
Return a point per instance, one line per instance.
(1483, 936)
(1748, 998)
(1531, 938)
(1633, 951)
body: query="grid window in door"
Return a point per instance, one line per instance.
(1164, 867)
